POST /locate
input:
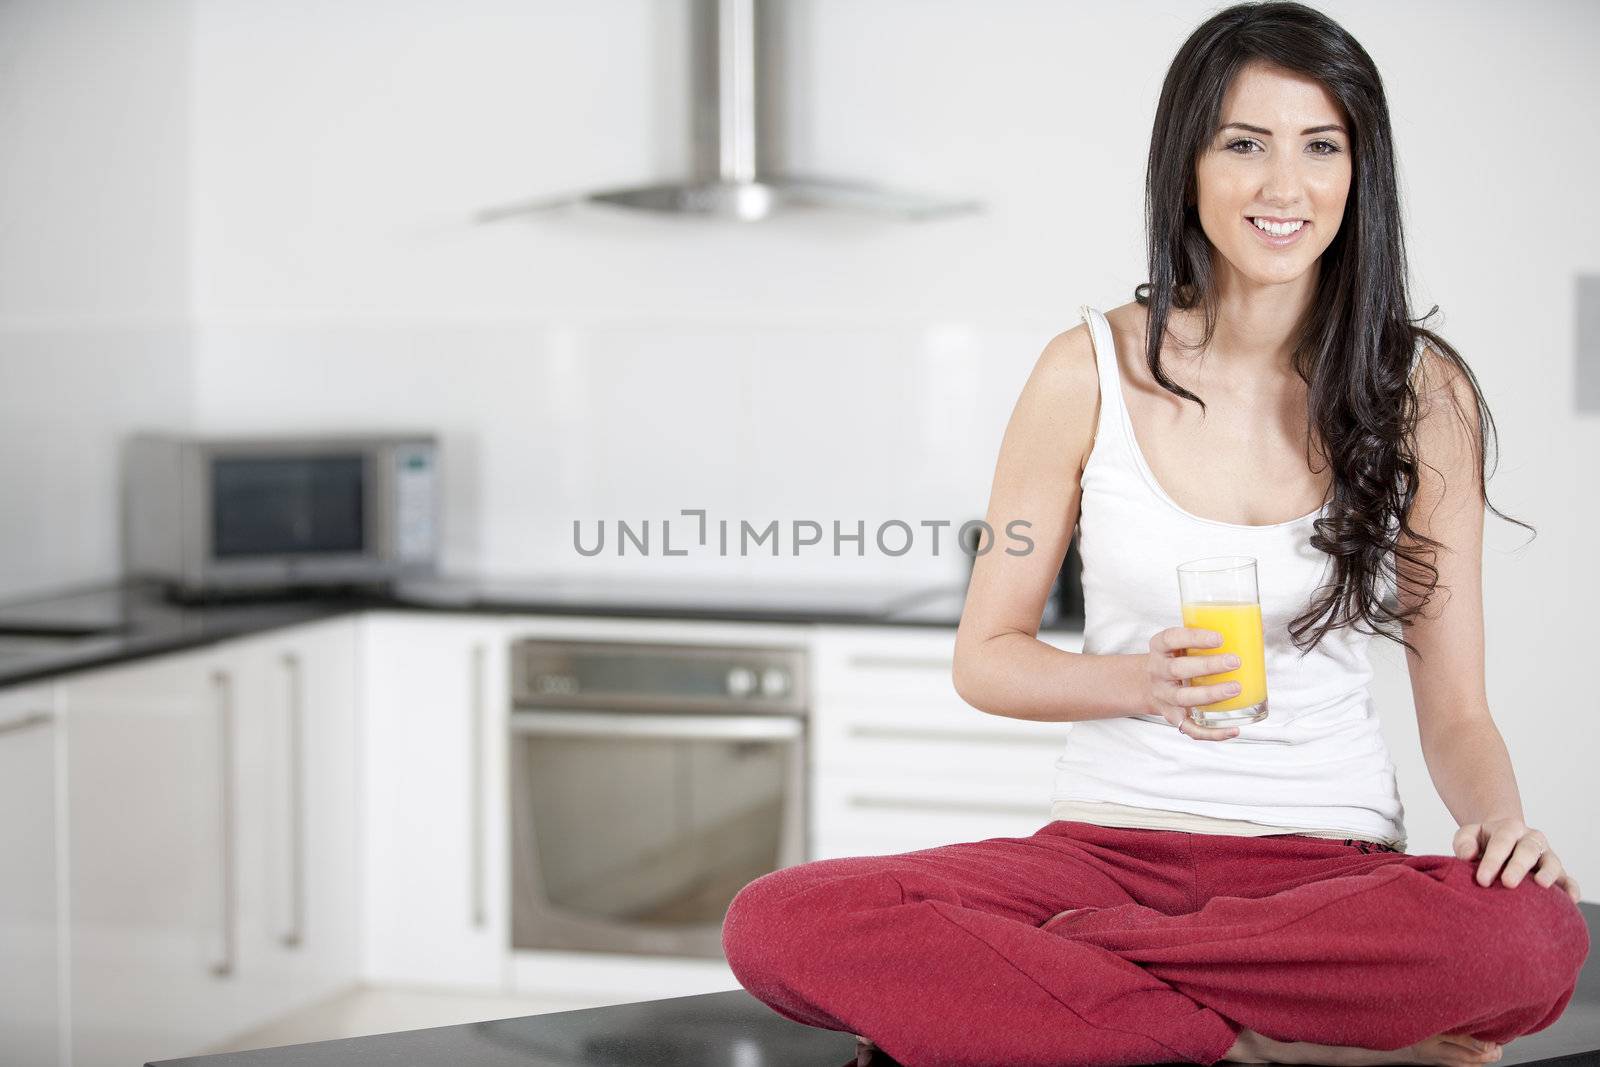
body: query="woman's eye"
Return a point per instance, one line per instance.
(1327, 148)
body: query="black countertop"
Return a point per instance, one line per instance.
(731, 1029)
(734, 1029)
(97, 625)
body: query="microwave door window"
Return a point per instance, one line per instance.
(650, 831)
(287, 505)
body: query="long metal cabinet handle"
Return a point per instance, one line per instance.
(295, 935)
(26, 722)
(966, 737)
(639, 724)
(223, 682)
(480, 907)
(960, 807)
(879, 661)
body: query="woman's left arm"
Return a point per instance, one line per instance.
(1462, 746)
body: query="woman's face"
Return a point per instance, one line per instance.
(1282, 151)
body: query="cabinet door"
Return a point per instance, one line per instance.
(297, 697)
(152, 876)
(30, 933)
(435, 696)
(902, 762)
(858, 815)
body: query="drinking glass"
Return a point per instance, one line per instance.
(1220, 594)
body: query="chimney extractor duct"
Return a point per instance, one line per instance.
(733, 52)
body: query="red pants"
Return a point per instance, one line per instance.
(937, 955)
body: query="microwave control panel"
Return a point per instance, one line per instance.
(415, 503)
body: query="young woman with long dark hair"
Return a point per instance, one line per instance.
(1207, 892)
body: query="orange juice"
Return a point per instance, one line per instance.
(1240, 627)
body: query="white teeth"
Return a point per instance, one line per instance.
(1278, 229)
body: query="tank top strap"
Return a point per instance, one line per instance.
(1416, 356)
(1105, 360)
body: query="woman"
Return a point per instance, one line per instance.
(1233, 892)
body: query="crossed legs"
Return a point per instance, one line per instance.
(939, 957)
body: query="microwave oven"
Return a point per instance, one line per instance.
(208, 515)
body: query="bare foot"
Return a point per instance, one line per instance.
(1446, 1050)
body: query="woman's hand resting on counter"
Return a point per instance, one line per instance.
(1169, 667)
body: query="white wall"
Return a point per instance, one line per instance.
(807, 368)
(605, 365)
(94, 269)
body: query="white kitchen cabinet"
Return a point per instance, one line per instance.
(251, 827)
(212, 836)
(901, 762)
(861, 815)
(435, 702)
(298, 766)
(30, 915)
(153, 890)
(935, 737)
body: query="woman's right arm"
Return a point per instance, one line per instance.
(1001, 667)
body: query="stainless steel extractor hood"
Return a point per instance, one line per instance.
(733, 62)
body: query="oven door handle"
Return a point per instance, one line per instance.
(562, 722)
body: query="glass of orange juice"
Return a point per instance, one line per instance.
(1220, 594)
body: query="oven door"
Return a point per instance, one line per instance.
(632, 831)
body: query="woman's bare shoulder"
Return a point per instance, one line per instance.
(1128, 326)
(1066, 371)
(1127, 313)
(1061, 401)
(1068, 357)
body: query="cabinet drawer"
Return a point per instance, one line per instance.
(938, 737)
(859, 815)
(895, 664)
(883, 664)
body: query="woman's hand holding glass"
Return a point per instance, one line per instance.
(1169, 667)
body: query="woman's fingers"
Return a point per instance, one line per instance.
(1550, 868)
(1493, 860)
(1200, 731)
(1179, 638)
(1193, 696)
(1182, 668)
(1553, 872)
(1169, 667)
(1512, 850)
(1527, 852)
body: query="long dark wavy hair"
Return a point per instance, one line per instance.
(1354, 348)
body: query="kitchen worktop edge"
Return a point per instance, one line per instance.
(193, 627)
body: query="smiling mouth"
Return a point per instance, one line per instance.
(1278, 229)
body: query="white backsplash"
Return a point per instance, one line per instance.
(542, 424)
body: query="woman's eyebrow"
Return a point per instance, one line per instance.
(1268, 133)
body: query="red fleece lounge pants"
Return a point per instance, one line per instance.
(938, 957)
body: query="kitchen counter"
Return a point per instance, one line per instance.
(730, 1029)
(98, 625)
(734, 1028)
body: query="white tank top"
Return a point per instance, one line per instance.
(1316, 765)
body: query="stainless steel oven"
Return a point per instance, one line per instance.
(649, 783)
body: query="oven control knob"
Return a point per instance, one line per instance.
(741, 680)
(555, 684)
(774, 682)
